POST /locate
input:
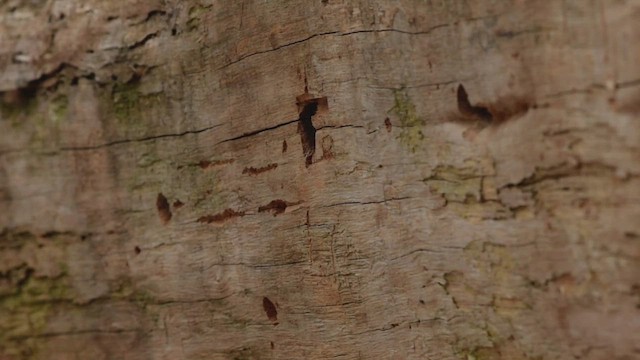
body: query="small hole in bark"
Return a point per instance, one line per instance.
(275, 206)
(174, 31)
(422, 302)
(270, 309)
(178, 204)
(272, 345)
(284, 146)
(137, 250)
(164, 212)
(387, 124)
(496, 112)
(465, 107)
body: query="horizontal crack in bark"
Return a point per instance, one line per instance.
(365, 202)
(337, 33)
(148, 138)
(255, 132)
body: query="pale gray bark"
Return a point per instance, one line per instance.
(319, 179)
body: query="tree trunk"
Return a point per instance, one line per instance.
(319, 179)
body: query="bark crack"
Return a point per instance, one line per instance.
(365, 202)
(277, 48)
(255, 132)
(338, 33)
(143, 139)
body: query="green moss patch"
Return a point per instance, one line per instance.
(411, 134)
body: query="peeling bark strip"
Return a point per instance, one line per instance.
(220, 217)
(270, 310)
(164, 211)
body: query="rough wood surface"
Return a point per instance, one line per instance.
(319, 179)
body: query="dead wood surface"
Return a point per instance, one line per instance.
(319, 179)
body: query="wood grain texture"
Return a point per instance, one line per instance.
(298, 180)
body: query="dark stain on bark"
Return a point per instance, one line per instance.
(260, 170)
(387, 124)
(164, 212)
(220, 217)
(327, 147)
(270, 310)
(206, 164)
(277, 207)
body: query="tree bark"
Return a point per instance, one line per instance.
(319, 179)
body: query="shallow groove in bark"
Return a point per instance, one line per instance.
(143, 139)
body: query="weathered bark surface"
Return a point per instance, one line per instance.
(307, 179)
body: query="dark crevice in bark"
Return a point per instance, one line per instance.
(308, 131)
(164, 211)
(142, 41)
(340, 127)
(251, 133)
(466, 109)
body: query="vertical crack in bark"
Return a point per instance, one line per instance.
(307, 130)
